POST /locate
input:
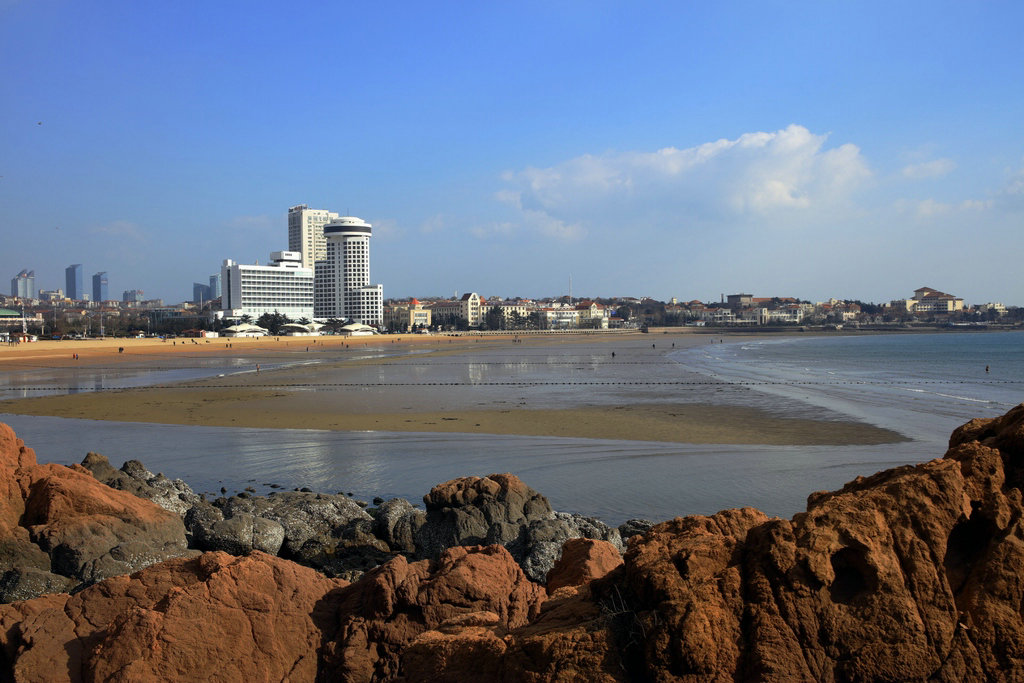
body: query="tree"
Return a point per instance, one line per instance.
(495, 319)
(272, 322)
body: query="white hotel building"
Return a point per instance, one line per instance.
(343, 287)
(284, 286)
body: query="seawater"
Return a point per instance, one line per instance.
(922, 386)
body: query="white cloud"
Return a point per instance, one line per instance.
(929, 169)
(386, 229)
(756, 176)
(433, 224)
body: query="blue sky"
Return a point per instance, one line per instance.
(856, 150)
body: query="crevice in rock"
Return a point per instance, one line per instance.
(967, 542)
(854, 575)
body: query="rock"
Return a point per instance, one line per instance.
(304, 516)
(92, 532)
(634, 527)
(582, 560)
(501, 509)
(396, 522)
(226, 618)
(539, 545)
(170, 494)
(909, 574)
(57, 520)
(24, 583)
(393, 604)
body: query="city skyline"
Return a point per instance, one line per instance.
(657, 150)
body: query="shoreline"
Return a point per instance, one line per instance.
(361, 398)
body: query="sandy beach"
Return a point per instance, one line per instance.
(538, 385)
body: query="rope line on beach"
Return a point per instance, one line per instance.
(363, 385)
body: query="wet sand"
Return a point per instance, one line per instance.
(544, 385)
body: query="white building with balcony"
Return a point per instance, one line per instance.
(282, 286)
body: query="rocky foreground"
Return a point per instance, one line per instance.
(915, 573)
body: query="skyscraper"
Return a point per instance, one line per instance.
(73, 282)
(342, 284)
(306, 232)
(23, 285)
(99, 286)
(200, 293)
(215, 286)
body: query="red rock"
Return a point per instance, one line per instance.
(390, 606)
(89, 530)
(582, 561)
(215, 617)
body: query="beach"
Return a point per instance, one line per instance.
(599, 386)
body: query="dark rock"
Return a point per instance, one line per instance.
(170, 494)
(396, 522)
(303, 516)
(239, 535)
(24, 583)
(634, 527)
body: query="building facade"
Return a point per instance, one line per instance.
(406, 316)
(73, 282)
(343, 288)
(99, 286)
(23, 285)
(133, 296)
(306, 233)
(283, 286)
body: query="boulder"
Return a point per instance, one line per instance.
(170, 494)
(215, 616)
(478, 510)
(57, 520)
(539, 545)
(634, 527)
(396, 522)
(500, 509)
(305, 517)
(389, 607)
(582, 560)
(92, 532)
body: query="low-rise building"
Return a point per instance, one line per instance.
(928, 300)
(406, 316)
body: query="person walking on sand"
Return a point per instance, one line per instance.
(257, 368)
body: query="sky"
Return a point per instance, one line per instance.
(649, 149)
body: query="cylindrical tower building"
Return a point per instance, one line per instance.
(342, 288)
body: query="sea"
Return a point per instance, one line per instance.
(920, 385)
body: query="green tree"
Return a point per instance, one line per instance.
(495, 319)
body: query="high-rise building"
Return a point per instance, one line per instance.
(200, 293)
(23, 285)
(343, 287)
(133, 296)
(306, 233)
(283, 286)
(99, 286)
(215, 286)
(73, 282)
